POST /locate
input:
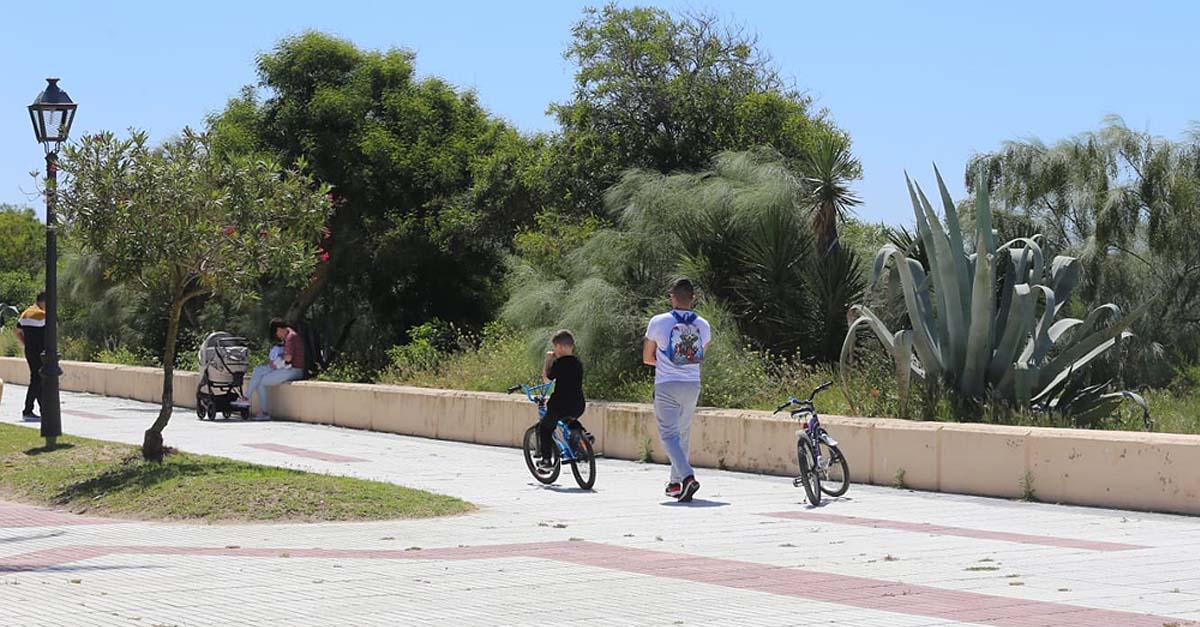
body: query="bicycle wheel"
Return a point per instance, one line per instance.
(531, 449)
(807, 456)
(584, 465)
(835, 475)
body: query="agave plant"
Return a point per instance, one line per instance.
(983, 322)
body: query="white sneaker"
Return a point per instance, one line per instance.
(241, 402)
(261, 418)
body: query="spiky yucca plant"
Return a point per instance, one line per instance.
(985, 343)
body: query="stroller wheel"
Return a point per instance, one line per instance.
(200, 407)
(226, 414)
(212, 412)
(245, 412)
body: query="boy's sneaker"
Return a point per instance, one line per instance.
(674, 488)
(690, 487)
(30, 417)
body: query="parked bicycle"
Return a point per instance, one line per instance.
(823, 468)
(572, 442)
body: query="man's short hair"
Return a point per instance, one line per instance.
(276, 324)
(683, 288)
(563, 337)
(41, 297)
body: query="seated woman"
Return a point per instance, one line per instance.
(290, 367)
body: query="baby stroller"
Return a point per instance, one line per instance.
(223, 360)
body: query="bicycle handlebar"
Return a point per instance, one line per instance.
(796, 401)
(513, 389)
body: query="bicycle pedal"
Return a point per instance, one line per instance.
(797, 482)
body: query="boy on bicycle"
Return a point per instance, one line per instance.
(565, 369)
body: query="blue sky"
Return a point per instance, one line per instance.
(913, 82)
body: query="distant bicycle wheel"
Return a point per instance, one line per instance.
(807, 456)
(543, 475)
(835, 472)
(584, 465)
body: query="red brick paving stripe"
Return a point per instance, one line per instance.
(303, 452)
(87, 414)
(858, 592)
(965, 532)
(14, 515)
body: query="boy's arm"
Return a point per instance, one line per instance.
(549, 361)
(20, 335)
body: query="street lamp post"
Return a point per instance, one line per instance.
(52, 113)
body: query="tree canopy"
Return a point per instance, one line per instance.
(428, 186)
(175, 223)
(667, 93)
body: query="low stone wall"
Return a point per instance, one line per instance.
(1142, 471)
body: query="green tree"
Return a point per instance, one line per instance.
(22, 254)
(1127, 204)
(667, 93)
(176, 223)
(429, 187)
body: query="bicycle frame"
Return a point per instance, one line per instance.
(538, 394)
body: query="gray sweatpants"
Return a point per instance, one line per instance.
(674, 406)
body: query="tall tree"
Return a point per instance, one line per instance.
(828, 168)
(667, 93)
(176, 223)
(429, 187)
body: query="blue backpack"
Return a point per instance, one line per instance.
(684, 345)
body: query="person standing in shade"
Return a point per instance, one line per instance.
(675, 345)
(31, 332)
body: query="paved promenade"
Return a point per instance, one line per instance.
(748, 551)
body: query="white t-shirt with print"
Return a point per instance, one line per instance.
(659, 331)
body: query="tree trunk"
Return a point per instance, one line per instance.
(152, 444)
(824, 226)
(309, 294)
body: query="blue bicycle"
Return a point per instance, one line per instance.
(823, 468)
(572, 443)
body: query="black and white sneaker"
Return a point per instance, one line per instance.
(673, 489)
(30, 417)
(690, 488)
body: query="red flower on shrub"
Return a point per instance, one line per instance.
(229, 230)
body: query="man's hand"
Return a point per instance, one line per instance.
(20, 335)
(546, 363)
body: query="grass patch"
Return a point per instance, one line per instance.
(101, 478)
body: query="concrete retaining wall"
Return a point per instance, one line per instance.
(1143, 471)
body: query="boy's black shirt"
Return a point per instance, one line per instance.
(567, 400)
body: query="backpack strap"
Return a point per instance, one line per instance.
(686, 317)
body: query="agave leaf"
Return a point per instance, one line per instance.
(954, 230)
(902, 353)
(1016, 331)
(979, 341)
(1084, 350)
(983, 216)
(938, 327)
(950, 299)
(1064, 276)
(1006, 288)
(1033, 252)
(1042, 342)
(860, 317)
(1023, 378)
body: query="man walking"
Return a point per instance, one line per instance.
(675, 345)
(31, 332)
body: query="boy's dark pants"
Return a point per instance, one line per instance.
(34, 392)
(546, 428)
